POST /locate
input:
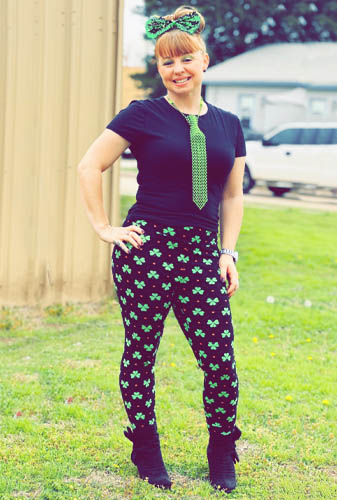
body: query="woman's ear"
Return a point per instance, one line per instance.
(206, 62)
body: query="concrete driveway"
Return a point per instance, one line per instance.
(310, 199)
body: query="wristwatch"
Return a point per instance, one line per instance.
(233, 253)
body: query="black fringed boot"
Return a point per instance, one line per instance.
(222, 455)
(146, 455)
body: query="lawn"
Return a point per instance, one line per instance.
(61, 413)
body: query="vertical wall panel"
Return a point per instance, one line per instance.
(60, 65)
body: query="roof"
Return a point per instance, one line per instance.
(307, 65)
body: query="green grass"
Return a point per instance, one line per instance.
(59, 367)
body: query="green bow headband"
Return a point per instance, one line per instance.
(157, 25)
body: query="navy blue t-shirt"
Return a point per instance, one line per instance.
(160, 141)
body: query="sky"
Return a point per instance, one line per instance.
(134, 45)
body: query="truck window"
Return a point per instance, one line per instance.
(334, 136)
(324, 136)
(287, 136)
(308, 136)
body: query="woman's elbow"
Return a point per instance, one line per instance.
(233, 191)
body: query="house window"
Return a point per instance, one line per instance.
(246, 108)
(317, 106)
(334, 107)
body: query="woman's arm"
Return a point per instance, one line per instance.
(231, 205)
(231, 213)
(102, 153)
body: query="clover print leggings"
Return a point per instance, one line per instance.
(178, 267)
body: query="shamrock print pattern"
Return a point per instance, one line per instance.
(176, 267)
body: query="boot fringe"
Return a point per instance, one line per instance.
(222, 455)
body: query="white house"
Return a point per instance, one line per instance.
(277, 83)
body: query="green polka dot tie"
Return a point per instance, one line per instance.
(199, 158)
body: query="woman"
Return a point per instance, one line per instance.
(191, 158)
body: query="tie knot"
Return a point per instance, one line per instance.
(192, 120)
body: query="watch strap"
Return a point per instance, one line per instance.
(233, 253)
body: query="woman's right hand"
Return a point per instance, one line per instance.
(117, 236)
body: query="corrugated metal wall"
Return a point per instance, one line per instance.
(60, 64)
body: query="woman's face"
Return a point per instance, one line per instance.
(183, 74)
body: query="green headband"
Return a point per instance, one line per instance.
(157, 25)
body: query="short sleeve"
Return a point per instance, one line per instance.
(129, 122)
(240, 147)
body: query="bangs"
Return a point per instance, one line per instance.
(175, 43)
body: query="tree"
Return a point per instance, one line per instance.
(235, 26)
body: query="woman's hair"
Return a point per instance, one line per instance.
(176, 42)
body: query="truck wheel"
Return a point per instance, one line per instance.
(248, 181)
(278, 191)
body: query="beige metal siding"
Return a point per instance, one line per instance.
(60, 63)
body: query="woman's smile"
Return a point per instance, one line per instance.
(181, 81)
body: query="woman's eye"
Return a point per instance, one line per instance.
(187, 59)
(167, 63)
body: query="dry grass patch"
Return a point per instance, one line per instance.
(27, 494)
(80, 363)
(100, 478)
(8, 340)
(25, 377)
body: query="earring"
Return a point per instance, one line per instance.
(204, 71)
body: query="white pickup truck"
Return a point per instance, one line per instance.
(293, 155)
